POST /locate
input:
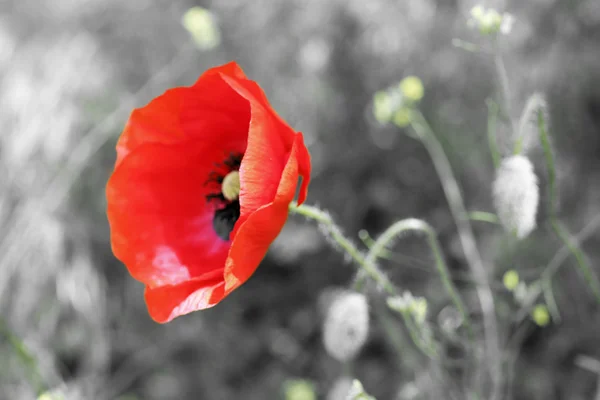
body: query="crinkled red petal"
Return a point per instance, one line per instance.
(252, 239)
(270, 140)
(161, 224)
(171, 301)
(210, 110)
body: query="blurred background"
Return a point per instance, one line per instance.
(70, 73)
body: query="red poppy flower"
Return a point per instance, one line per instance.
(202, 184)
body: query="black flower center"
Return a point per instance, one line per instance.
(225, 219)
(227, 209)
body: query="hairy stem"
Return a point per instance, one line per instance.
(368, 265)
(324, 218)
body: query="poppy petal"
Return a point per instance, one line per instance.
(171, 301)
(303, 168)
(171, 159)
(254, 236)
(159, 215)
(270, 140)
(210, 110)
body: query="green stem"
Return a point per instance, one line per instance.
(415, 335)
(27, 359)
(588, 274)
(394, 336)
(550, 300)
(504, 86)
(467, 239)
(483, 216)
(560, 230)
(552, 268)
(549, 155)
(464, 45)
(369, 241)
(491, 130)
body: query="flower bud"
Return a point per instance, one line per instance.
(516, 195)
(511, 279)
(412, 88)
(203, 27)
(346, 325)
(490, 21)
(540, 315)
(416, 306)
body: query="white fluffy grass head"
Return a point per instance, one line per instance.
(516, 195)
(346, 325)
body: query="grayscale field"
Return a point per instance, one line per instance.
(516, 238)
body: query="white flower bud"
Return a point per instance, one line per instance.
(346, 326)
(516, 195)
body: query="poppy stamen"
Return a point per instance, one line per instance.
(230, 186)
(227, 209)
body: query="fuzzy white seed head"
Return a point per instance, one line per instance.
(516, 195)
(529, 135)
(346, 326)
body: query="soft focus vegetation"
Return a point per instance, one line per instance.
(73, 321)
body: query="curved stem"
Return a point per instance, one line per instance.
(417, 225)
(483, 216)
(467, 239)
(368, 265)
(327, 222)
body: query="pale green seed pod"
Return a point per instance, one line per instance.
(516, 195)
(203, 27)
(231, 186)
(346, 326)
